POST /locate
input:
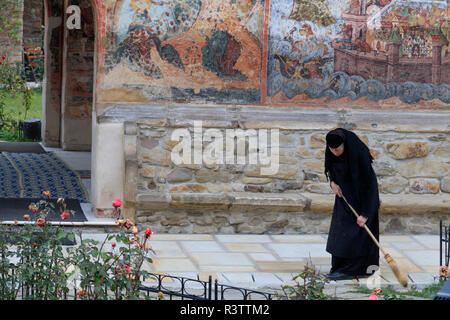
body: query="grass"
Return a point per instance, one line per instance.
(389, 293)
(14, 110)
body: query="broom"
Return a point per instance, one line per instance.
(401, 277)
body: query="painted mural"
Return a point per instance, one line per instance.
(361, 50)
(188, 50)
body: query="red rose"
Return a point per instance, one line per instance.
(40, 222)
(1, 62)
(148, 232)
(127, 268)
(33, 208)
(3, 57)
(82, 292)
(113, 244)
(117, 203)
(65, 215)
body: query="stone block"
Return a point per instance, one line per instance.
(148, 142)
(313, 166)
(442, 151)
(323, 188)
(445, 184)
(407, 150)
(157, 157)
(282, 202)
(424, 186)
(303, 153)
(424, 168)
(285, 172)
(179, 175)
(317, 141)
(200, 201)
(394, 184)
(382, 168)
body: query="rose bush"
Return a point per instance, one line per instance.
(46, 269)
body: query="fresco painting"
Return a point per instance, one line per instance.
(189, 50)
(360, 50)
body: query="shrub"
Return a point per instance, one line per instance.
(34, 264)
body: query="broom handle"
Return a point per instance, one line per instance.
(367, 229)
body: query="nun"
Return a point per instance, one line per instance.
(348, 167)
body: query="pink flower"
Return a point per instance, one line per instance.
(373, 297)
(40, 222)
(148, 232)
(117, 203)
(65, 215)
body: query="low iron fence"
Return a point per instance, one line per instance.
(193, 289)
(181, 288)
(444, 244)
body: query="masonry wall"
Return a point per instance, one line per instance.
(9, 47)
(33, 23)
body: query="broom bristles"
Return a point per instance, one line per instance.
(401, 277)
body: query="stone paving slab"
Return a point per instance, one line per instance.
(239, 278)
(222, 259)
(303, 238)
(242, 238)
(429, 241)
(245, 247)
(423, 278)
(172, 264)
(408, 245)
(262, 257)
(423, 257)
(167, 249)
(202, 246)
(296, 250)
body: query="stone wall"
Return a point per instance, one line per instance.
(33, 23)
(412, 166)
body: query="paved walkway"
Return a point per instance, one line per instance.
(266, 261)
(271, 261)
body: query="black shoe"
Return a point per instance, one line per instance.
(340, 276)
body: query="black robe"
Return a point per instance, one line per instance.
(352, 249)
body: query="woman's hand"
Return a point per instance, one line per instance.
(336, 189)
(361, 221)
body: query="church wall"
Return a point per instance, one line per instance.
(262, 65)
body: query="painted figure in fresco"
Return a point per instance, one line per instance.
(152, 23)
(362, 45)
(346, 32)
(355, 7)
(221, 54)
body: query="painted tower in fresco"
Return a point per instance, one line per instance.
(402, 43)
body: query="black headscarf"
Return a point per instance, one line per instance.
(357, 155)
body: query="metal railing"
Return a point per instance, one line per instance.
(194, 289)
(444, 244)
